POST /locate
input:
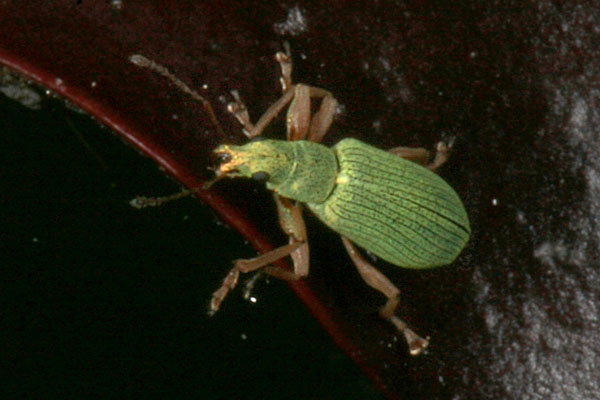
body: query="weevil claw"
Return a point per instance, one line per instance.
(416, 344)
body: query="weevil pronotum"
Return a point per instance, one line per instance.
(387, 202)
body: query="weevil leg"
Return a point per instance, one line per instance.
(245, 266)
(255, 130)
(374, 278)
(300, 125)
(239, 110)
(320, 123)
(272, 111)
(417, 155)
(298, 114)
(292, 223)
(421, 156)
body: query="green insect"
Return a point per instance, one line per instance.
(387, 202)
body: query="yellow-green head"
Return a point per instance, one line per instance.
(300, 170)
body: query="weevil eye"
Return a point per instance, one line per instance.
(258, 138)
(224, 157)
(261, 176)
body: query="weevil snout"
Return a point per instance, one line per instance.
(263, 160)
(232, 160)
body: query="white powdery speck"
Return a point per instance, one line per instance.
(294, 25)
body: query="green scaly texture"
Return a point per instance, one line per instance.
(398, 210)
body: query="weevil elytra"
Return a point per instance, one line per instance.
(390, 203)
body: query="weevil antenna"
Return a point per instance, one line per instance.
(144, 202)
(144, 62)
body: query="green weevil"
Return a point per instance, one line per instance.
(387, 202)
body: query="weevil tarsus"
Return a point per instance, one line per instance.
(285, 63)
(442, 153)
(238, 109)
(248, 265)
(416, 344)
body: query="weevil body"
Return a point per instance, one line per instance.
(397, 209)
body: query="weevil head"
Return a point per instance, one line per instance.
(266, 161)
(299, 170)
